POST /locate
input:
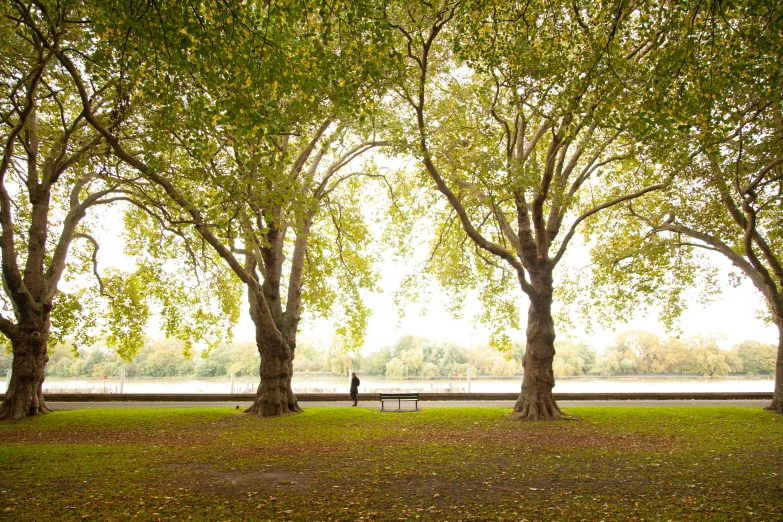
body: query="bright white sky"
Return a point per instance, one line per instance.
(732, 317)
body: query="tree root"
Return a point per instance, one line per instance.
(12, 409)
(775, 406)
(42, 407)
(261, 407)
(538, 407)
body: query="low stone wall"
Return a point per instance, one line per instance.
(335, 397)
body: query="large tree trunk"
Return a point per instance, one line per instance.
(274, 396)
(777, 396)
(536, 401)
(293, 404)
(24, 397)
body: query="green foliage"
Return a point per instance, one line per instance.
(71, 176)
(67, 360)
(515, 105)
(756, 357)
(223, 101)
(164, 358)
(395, 368)
(635, 352)
(6, 360)
(716, 136)
(310, 356)
(375, 362)
(197, 299)
(709, 360)
(573, 358)
(652, 355)
(633, 272)
(56, 179)
(74, 316)
(340, 264)
(416, 356)
(219, 103)
(128, 312)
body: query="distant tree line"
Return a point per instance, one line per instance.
(632, 352)
(163, 358)
(636, 352)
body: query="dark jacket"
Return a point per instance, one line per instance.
(355, 385)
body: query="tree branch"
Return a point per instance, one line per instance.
(8, 328)
(599, 208)
(736, 259)
(171, 191)
(95, 247)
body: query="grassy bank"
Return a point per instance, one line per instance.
(615, 463)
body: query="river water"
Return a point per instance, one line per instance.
(325, 383)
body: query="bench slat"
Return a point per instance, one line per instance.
(399, 397)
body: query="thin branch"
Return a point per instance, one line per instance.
(736, 259)
(95, 247)
(341, 162)
(759, 177)
(599, 208)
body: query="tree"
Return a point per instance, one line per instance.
(165, 359)
(673, 357)
(309, 357)
(607, 364)
(249, 172)
(395, 368)
(755, 357)
(375, 363)
(707, 358)
(55, 171)
(429, 369)
(720, 140)
(573, 359)
(643, 345)
(50, 177)
(521, 120)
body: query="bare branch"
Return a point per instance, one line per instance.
(341, 162)
(736, 259)
(599, 208)
(304, 155)
(7, 327)
(95, 247)
(759, 177)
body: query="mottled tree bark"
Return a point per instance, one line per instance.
(274, 395)
(536, 401)
(275, 339)
(289, 352)
(33, 263)
(24, 397)
(777, 395)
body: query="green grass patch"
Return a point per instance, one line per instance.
(616, 463)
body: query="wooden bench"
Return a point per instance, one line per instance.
(399, 397)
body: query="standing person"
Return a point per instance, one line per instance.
(354, 387)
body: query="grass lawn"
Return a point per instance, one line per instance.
(616, 463)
